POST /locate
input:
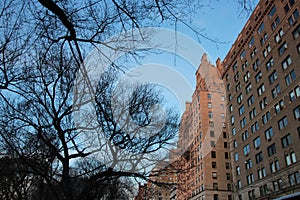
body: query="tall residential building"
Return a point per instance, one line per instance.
(206, 173)
(261, 76)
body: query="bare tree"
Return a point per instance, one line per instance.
(43, 44)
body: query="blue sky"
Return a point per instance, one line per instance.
(221, 20)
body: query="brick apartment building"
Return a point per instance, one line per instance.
(257, 89)
(261, 76)
(207, 173)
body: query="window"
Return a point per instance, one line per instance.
(228, 86)
(297, 91)
(266, 117)
(227, 77)
(250, 179)
(251, 42)
(212, 134)
(273, 11)
(228, 177)
(275, 23)
(269, 133)
(232, 119)
(209, 96)
(263, 190)
(261, 89)
(282, 123)
(216, 197)
(282, 48)
(248, 88)
(292, 95)
(258, 157)
(261, 28)
(227, 166)
(214, 175)
(213, 154)
(246, 149)
(286, 62)
(291, 2)
(256, 142)
(229, 97)
(290, 78)
(225, 145)
(250, 100)
(214, 165)
(279, 106)
(274, 166)
(226, 155)
(294, 178)
(293, 18)
(286, 8)
(245, 135)
(269, 48)
(239, 184)
(263, 39)
(261, 173)
(265, 53)
(236, 156)
(230, 108)
(279, 35)
(297, 112)
(258, 76)
(229, 189)
(240, 98)
(290, 158)
(212, 143)
(273, 77)
(238, 170)
(286, 141)
(241, 110)
(252, 113)
(253, 53)
(248, 164)
(270, 63)
(278, 184)
(209, 105)
(296, 32)
(276, 91)
(210, 115)
(263, 103)
(254, 127)
(271, 149)
(243, 122)
(233, 131)
(215, 186)
(246, 76)
(255, 65)
(243, 54)
(235, 144)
